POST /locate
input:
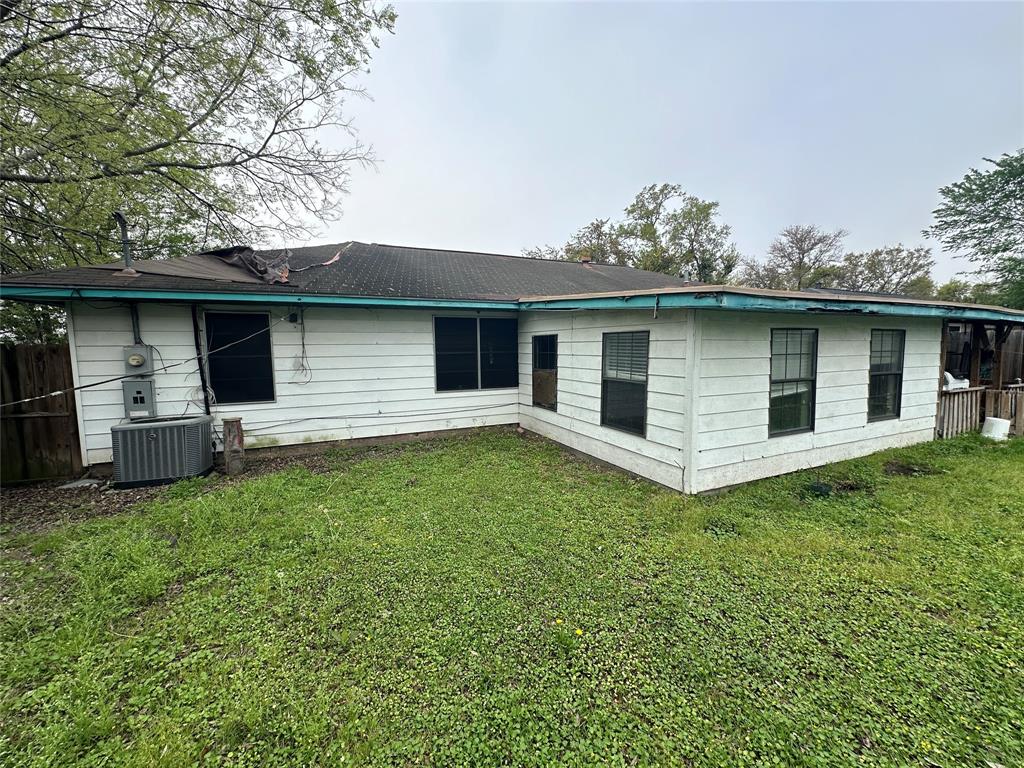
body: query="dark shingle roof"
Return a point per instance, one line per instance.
(374, 271)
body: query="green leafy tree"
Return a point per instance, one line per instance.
(800, 257)
(893, 269)
(664, 230)
(966, 292)
(982, 216)
(201, 119)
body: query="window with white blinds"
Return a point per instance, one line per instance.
(624, 381)
(625, 356)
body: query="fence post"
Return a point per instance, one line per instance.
(234, 446)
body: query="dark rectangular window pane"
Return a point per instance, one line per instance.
(244, 371)
(790, 406)
(624, 381)
(793, 371)
(886, 374)
(624, 405)
(499, 352)
(545, 371)
(545, 353)
(455, 353)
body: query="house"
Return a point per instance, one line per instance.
(696, 387)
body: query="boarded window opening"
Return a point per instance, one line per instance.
(545, 372)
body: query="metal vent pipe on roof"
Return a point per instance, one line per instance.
(126, 247)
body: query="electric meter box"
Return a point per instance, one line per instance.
(138, 360)
(139, 399)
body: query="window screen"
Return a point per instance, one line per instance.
(244, 371)
(455, 353)
(794, 368)
(545, 372)
(499, 352)
(885, 385)
(472, 353)
(624, 381)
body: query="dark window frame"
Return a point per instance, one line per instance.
(606, 379)
(208, 350)
(813, 380)
(533, 360)
(898, 375)
(479, 352)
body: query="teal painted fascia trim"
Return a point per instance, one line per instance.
(710, 300)
(749, 302)
(71, 294)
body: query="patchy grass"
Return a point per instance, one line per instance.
(492, 600)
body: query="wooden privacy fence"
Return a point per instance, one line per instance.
(960, 411)
(37, 439)
(1007, 404)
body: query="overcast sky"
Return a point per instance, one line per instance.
(502, 126)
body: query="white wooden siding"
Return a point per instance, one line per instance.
(577, 422)
(732, 443)
(371, 373)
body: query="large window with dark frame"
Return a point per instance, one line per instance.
(794, 368)
(475, 353)
(624, 381)
(545, 372)
(885, 385)
(240, 364)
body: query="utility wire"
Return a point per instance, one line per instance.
(155, 370)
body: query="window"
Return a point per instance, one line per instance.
(545, 372)
(475, 353)
(885, 385)
(499, 352)
(794, 367)
(244, 371)
(624, 381)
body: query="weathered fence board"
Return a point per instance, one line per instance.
(960, 411)
(1007, 404)
(38, 439)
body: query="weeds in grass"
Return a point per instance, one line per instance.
(493, 601)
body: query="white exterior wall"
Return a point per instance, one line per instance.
(732, 444)
(371, 374)
(577, 422)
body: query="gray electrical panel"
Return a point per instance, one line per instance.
(138, 360)
(139, 398)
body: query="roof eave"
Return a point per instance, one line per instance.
(45, 294)
(718, 297)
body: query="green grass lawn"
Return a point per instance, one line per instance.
(493, 600)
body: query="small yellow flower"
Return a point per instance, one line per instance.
(579, 631)
(558, 621)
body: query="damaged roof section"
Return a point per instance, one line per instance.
(361, 269)
(364, 274)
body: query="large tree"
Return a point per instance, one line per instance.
(206, 121)
(982, 216)
(893, 269)
(800, 257)
(665, 230)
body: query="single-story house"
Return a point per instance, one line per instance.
(694, 386)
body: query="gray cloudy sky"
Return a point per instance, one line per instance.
(502, 126)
